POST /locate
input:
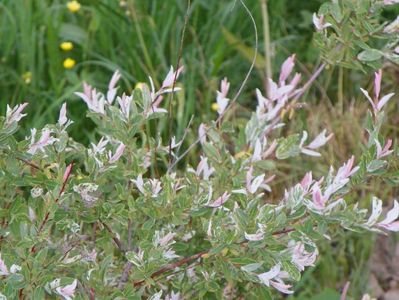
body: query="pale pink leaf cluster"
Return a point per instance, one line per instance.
(39, 145)
(318, 142)
(320, 23)
(390, 222)
(15, 114)
(275, 278)
(4, 270)
(377, 103)
(221, 99)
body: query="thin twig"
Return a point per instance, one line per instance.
(125, 275)
(186, 130)
(129, 234)
(266, 43)
(128, 265)
(114, 237)
(189, 259)
(27, 162)
(170, 117)
(172, 266)
(67, 174)
(345, 291)
(243, 84)
(310, 81)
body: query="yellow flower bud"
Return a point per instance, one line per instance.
(292, 111)
(69, 63)
(282, 113)
(241, 154)
(73, 6)
(225, 251)
(215, 106)
(139, 85)
(27, 77)
(66, 46)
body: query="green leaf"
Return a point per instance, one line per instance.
(263, 293)
(326, 294)
(369, 55)
(375, 165)
(211, 152)
(266, 165)
(251, 267)
(292, 270)
(74, 33)
(288, 147)
(39, 293)
(247, 52)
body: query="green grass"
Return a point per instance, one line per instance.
(140, 39)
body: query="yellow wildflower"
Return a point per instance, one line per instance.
(282, 113)
(241, 154)
(73, 6)
(225, 251)
(27, 77)
(139, 85)
(66, 46)
(292, 111)
(215, 106)
(69, 63)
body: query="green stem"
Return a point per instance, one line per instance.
(266, 42)
(341, 90)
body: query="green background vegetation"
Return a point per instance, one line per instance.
(142, 38)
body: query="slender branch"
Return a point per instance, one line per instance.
(243, 84)
(310, 81)
(114, 237)
(125, 275)
(283, 231)
(67, 174)
(189, 259)
(266, 43)
(172, 266)
(128, 265)
(345, 291)
(170, 117)
(186, 130)
(129, 234)
(92, 294)
(27, 162)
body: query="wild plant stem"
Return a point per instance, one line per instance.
(114, 237)
(243, 84)
(46, 218)
(189, 259)
(170, 109)
(128, 265)
(341, 90)
(266, 43)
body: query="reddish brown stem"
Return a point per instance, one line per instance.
(116, 240)
(191, 258)
(67, 174)
(27, 162)
(172, 266)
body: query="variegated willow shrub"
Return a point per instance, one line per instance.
(95, 222)
(117, 220)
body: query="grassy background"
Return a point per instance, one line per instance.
(142, 37)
